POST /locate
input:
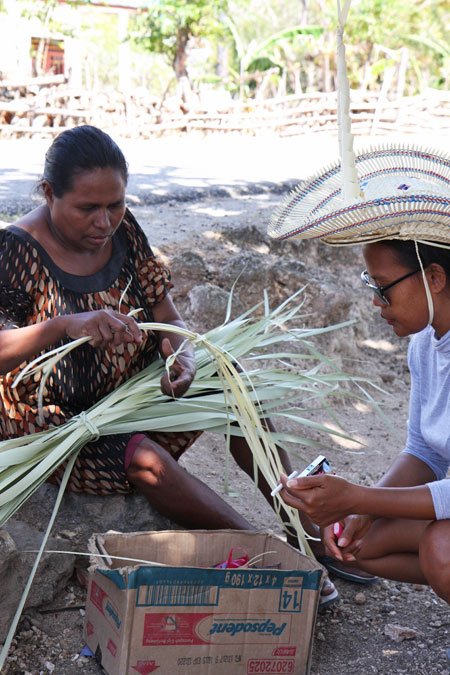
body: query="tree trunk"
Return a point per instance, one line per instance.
(297, 80)
(326, 73)
(184, 88)
(303, 12)
(179, 62)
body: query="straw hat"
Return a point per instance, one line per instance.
(404, 194)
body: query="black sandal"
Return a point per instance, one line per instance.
(331, 565)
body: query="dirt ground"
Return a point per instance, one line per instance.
(354, 636)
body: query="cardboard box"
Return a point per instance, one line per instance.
(186, 618)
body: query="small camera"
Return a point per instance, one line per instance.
(318, 466)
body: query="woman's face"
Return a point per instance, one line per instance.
(85, 218)
(407, 311)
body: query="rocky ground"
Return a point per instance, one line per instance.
(388, 628)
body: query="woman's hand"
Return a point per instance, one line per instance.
(181, 373)
(347, 545)
(324, 498)
(106, 327)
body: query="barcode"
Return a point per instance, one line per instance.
(174, 594)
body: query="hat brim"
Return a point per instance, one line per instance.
(405, 194)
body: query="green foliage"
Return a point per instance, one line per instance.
(268, 42)
(384, 22)
(262, 63)
(420, 25)
(276, 51)
(166, 26)
(44, 11)
(101, 57)
(270, 47)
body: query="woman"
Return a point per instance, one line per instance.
(76, 266)
(399, 529)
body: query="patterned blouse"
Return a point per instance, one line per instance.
(34, 289)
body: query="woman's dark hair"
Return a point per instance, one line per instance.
(406, 254)
(77, 150)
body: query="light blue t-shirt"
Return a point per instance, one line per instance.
(429, 411)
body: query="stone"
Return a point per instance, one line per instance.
(189, 264)
(208, 305)
(247, 235)
(10, 571)
(187, 270)
(387, 607)
(291, 273)
(81, 515)
(246, 268)
(16, 563)
(360, 598)
(400, 633)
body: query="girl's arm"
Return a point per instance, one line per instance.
(405, 471)
(326, 499)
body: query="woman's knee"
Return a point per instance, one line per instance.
(434, 554)
(150, 464)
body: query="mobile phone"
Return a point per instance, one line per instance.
(318, 466)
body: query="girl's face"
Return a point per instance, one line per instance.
(85, 218)
(407, 311)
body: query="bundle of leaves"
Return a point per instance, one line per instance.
(283, 374)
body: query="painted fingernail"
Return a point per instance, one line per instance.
(337, 529)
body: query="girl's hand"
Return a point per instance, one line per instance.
(181, 372)
(105, 326)
(347, 545)
(324, 498)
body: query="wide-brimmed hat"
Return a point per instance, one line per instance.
(404, 194)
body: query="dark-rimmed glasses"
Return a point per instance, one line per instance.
(380, 290)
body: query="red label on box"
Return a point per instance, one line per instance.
(270, 666)
(172, 629)
(111, 647)
(105, 606)
(89, 628)
(97, 596)
(145, 667)
(199, 629)
(285, 651)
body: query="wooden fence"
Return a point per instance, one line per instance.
(48, 107)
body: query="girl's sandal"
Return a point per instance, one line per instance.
(328, 595)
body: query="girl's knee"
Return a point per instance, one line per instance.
(434, 554)
(435, 543)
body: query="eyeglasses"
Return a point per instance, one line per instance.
(380, 290)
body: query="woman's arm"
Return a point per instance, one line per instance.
(22, 344)
(105, 327)
(182, 371)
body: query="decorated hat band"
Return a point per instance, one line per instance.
(404, 193)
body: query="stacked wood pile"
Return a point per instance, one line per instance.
(47, 106)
